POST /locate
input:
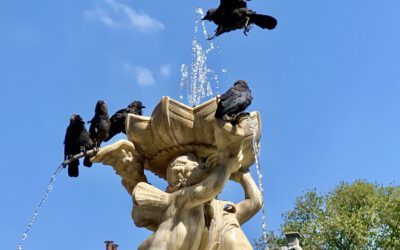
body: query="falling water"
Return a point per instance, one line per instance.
(259, 174)
(39, 207)
(198, 81)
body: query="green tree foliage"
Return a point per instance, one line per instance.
(360, 215)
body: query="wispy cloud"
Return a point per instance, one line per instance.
(103, 16)
(165, 70)
(121, 15)
(144, 76)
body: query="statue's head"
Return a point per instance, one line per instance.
(185, 170)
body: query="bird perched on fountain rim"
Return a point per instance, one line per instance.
(99, 127)
(76, 140)
(234, 101)
(118, 119)
(234, 14)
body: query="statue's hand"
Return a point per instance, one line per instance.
(211, 161)
(117, 155)
(235, 162)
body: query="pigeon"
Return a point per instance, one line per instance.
(76, 140)
(99, 127)
(234, 101)
(118, 119)
(234, 14)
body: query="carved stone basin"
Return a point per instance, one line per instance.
(175, 128)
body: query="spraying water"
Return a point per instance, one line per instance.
(259, 175)
(198, 81)
(40, 206)
(198, 86)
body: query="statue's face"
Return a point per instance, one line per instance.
(185, 170)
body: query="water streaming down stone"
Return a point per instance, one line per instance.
(259, 175)
(39, 207)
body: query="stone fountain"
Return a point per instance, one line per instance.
(196, 154)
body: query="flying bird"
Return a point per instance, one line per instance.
(99, 127)
(76, 140)
(234, 101)
(118, 119)
(234, 14)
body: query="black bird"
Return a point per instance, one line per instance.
(234, 101)
(118, 119)
(234, 14)
(99, 127)
(76, 140)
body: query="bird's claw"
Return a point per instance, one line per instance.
(246, 30)
(209, 38)
(239, 117)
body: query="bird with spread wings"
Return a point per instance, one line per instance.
(234, 14)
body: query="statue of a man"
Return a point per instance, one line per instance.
(187, 216)
(182, 225)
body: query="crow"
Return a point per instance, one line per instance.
(234, 101)
(76, 140)
(99, 127)
(234, 14)
(118, 119)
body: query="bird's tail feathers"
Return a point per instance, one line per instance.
(87, 162)
(264, 21)
(73, 170)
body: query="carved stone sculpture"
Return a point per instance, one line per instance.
(196, 154)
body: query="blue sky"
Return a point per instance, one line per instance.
(326, 82)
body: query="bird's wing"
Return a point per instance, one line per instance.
(85, 140)
(92, 128)
(117, 123)
(233, 4)
(232, 102)
(66, 151)
(67, 143)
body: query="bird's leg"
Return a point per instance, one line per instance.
(210, 37)
(217, 32)
(83, 150)
(240, 116)
(231, 117)
(246, 26)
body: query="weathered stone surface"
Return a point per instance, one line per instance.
(175, 128)
(196, 154)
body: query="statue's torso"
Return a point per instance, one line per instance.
(181, 229)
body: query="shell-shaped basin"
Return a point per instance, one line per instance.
(175, 128)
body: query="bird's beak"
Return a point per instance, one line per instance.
(143, 107)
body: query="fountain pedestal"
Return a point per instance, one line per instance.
(196, 154)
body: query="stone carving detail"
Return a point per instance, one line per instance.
(196, 154)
